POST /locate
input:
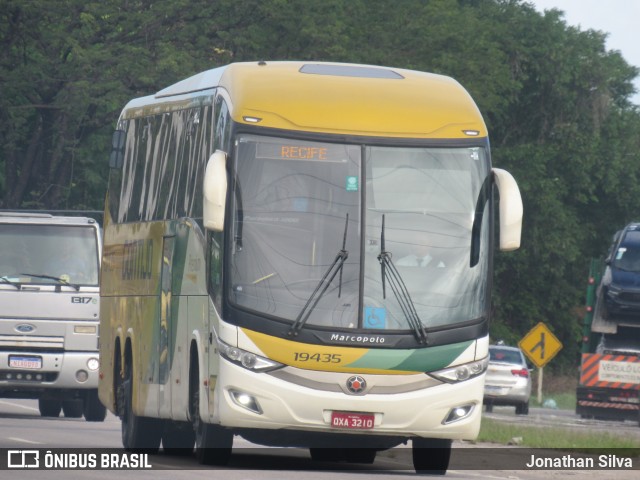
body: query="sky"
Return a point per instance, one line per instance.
(618, 18)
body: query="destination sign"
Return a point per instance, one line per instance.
(305, 152)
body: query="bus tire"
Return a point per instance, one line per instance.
(139, 434)
(49, 407)
(94, 410)
(213, 442)
(361, 455)
(178, 438)
(431, 455)
(327, 454)
(72, 408)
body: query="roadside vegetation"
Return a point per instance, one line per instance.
(558, 390)
(493, 431)
(556, 102)
(562, 390)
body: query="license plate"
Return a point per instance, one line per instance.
(32, 363)
(358, 421)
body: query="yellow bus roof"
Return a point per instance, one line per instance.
(340, 98)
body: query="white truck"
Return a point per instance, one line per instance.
(49, 312)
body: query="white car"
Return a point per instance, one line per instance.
(508, 379)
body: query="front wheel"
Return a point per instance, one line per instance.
(431, 455)
(178, 438)
(72, 408)
(213, 443)
(49, 407)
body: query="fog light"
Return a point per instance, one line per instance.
(82, 376)
(93, 364)
(246, 401)
(458, 413)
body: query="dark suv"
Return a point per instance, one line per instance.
(621, 280)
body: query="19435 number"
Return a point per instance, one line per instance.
(317, 357)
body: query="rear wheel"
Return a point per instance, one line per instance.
(431, 455)
(139, 434)
(72, 408)
(49, 407)
(94, 410)
(522, 408)
(488, 407)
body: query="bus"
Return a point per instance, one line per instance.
(49, 295)
(255, 281)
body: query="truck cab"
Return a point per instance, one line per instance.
(49, 292)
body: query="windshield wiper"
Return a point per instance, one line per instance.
(317, 294)
(14, 284)
(61, 281)
(400, 291)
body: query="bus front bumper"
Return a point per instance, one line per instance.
(245, 399)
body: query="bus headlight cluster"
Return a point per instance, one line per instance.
(463, 372)
(245, 359)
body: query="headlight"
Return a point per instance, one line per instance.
(613, 290)
(245, 359)
(463, 372)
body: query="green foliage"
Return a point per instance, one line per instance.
(494, 431)
(555, 100)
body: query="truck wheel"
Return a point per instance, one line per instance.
(139, 434)
(431, 455)
(49, 407)
(72, 408)
(94, 410)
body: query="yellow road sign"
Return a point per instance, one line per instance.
(540, 345)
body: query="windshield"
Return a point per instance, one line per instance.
(628, 254)
(308, 234)
(42, 254)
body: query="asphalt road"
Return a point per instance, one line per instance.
(22, 428)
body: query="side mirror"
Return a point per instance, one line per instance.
(510, 210)
(116, 160)
(215, 191)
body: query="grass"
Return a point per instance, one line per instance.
(559, 388)
(562, 389)
(493, 431)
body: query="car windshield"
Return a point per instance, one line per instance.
(48, 254)
(503, 355)
(627, 256)
(359, 237)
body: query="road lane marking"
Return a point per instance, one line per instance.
(24, 440)
(11, 404)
